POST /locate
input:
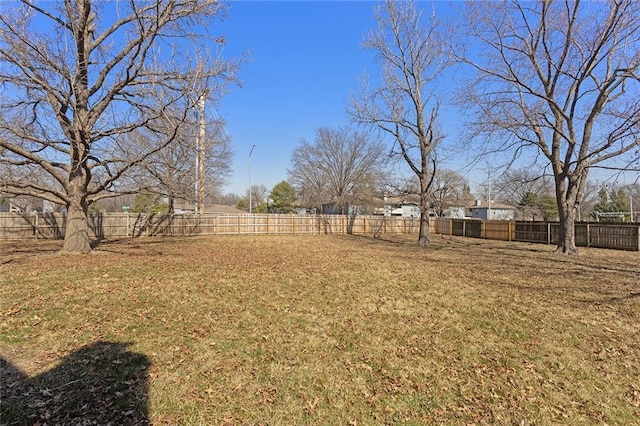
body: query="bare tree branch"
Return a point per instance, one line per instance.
(411, 55)
(341, 167)
(84, 96)
(560, 77)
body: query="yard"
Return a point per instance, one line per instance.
(318, 330)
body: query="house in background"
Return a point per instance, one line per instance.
(455, 213)
(25, 204)
(406, 210)
(404, 206)
(492, 211)
(350, 210)
(189, 208)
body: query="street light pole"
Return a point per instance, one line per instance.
(250, 201)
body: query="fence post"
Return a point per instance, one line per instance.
(35, 224)
(509, 231)
(588, 236)
(238, 224)
(548, 232)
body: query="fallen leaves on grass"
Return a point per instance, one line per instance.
(324, 329)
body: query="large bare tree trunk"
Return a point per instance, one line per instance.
(424, 237)
(76, 237)
(567, 243)
(566, 198)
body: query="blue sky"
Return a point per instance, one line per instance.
(306, 59)
(306, 62)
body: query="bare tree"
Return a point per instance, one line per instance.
(510, 186)
(259, 194)
(79, 85)
(448, 190)
(172, 172)
(229, 199)
(633, 190)
(561, 78)
(340, 167)
(411, 55)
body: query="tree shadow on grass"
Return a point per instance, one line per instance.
(99, 384)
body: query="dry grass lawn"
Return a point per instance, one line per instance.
(318, 330)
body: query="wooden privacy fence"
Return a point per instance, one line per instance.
(105, 225)
(620, 236)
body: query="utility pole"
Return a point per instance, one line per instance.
(201, 155)
(489, 193)
(250, 200)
